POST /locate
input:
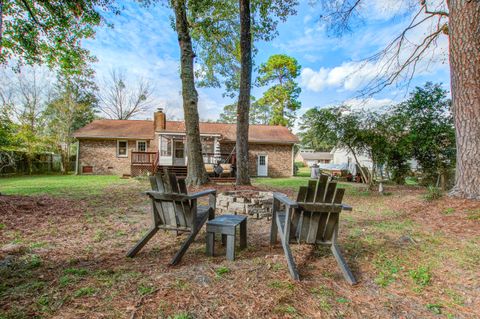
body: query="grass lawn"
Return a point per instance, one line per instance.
(63, 256)
(69, 185)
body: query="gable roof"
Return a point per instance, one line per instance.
(137, 129)
(128, 129)
(316, 155)
(256, 133)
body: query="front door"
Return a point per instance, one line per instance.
(179, 152)
(262, 165)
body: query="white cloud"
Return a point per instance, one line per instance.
(368, 104)
(349, 76)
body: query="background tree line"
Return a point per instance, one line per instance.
(420, 128)
(40, 109)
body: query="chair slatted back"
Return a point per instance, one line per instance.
(317, 216)
(173, 214)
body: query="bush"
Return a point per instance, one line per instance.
(433, 193)
(300, 164)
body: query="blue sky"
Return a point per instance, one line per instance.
(143, 44)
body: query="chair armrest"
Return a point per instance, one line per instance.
(180, 197)
(285, 200)
(166, 196)
(347, 207)
(202, 194)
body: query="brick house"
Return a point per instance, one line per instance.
(134, 147)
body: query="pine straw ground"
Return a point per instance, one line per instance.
(65, 258)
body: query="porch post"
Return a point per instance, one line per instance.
(216, 149)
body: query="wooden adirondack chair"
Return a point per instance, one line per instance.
(312, 219)
(176, 210)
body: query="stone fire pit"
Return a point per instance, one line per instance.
(255, 203)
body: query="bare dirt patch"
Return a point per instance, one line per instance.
(414, 259)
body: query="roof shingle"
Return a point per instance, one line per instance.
(136, 129)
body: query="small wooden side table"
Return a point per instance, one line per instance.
(226, 225)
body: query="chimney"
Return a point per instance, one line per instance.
(159, 120)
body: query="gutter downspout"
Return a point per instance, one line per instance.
(293, 160)
(76, 158)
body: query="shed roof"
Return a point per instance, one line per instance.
(316, 155)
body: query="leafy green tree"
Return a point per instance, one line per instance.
(71, 108)
(49, 32)
(399, 145)
(215, 29)
(282, 97)
(8, 128)
(259, 114)
(226, 47)
(431, 131)
(337, 126)
(28, 94)
(196, 169)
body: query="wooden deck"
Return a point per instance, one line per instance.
(143, 163)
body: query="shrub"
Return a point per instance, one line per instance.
(433, 193)
(300, 164)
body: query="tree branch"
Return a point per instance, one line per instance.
(34, 18)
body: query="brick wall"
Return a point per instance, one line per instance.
(279, 158)
(102, 156)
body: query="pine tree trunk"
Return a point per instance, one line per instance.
(196, 169)
(243, 109)
(464, 34)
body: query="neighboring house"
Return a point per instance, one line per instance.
(310, 157)
(344, 156)
(133, 147)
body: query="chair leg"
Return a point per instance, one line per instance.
(292, 267)
(142, 242)
(343, 265)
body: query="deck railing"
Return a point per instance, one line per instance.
(143, 158)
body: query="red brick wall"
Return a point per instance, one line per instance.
(279, 158)
(102, 156)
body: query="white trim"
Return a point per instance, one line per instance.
(266, 164)
(118, 142)
(146, 145)
(183, 134)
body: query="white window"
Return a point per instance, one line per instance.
(122, 149)
(141, 146)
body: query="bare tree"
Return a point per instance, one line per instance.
(401, 59)
(121, 101)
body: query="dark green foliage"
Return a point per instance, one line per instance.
(420, 128)
(259, 114)
(431, 132)
(215, 30)
(49, 32)
(7, 131)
